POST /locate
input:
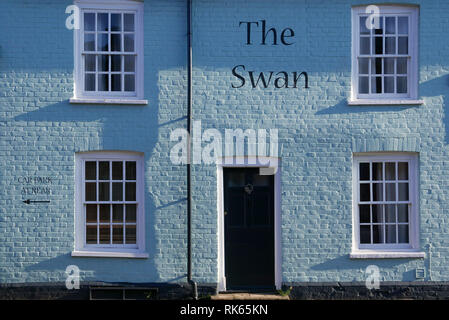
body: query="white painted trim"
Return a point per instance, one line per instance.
(386, 254)
(412, 75)
(136, 7)
(230, 162)
(104, 254)
(383, 102)
(108, 101)
(80, 223)
(387, 249)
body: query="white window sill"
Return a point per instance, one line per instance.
(384, 102)
(108, 101)
(386, 254)
(104, 254)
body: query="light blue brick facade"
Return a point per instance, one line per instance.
(318, 134)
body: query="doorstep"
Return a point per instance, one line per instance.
(249, 296)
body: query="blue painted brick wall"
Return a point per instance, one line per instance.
(318, 132)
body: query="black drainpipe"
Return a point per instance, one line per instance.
(189, 121)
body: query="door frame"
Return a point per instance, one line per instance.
(249, 162)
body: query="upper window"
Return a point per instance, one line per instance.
(385, 49)
(109, 210)
(385, 205)
(109, 51)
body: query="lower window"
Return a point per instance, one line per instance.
(109, 204)
(385, 201)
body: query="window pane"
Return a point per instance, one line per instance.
(116, 82)
(403, 45)
(117, 191)
(103, 82)
(103, 22)
(116, 22)
(103, 169)
(103, 191)
(378, 213)
(377, 171)
(389, 65)
(389, 84)
(129, 43)
(390, 235)
(129, 82)
(390, 45)
(401, 85)
(117, 234)
(117, 170)
(376, 84)
(403, 25)
(365, 192)
(105, 213)
(91, 170)
(378, 234)
(130, 191)
(116, 62)
(403, 171)
(89, 22)
(105, 235)
(402, 66)
(117, 213)
(103, 63)
(390, 171)
(390, 25)
(91, 213)
(379, 30)
(403, 191)
(91, 191)
(365, 234)
(116, 42)
(91, 234)
(364, 171)
(130, 234)
(89, 42)
(364, 45)
(102, 42)
(130, 170)
(390, 192)
(378, 45)
(378, 192)
(363, 66)
(376, 66)
(364, 213)
(89, 82)
(403, 233)
(363, 85)
(131, 213)
(129, 22)
(363, 28)
(89, 62)
(390, 213)
(402, 212)
(130, 63)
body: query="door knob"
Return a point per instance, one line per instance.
(225, 213)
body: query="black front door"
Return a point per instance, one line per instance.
(249, 229)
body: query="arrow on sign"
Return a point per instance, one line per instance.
(28, 201)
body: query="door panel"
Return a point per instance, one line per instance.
(249, 228)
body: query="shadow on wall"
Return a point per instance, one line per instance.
(344, 263)
(437, 87)
(99, 127)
